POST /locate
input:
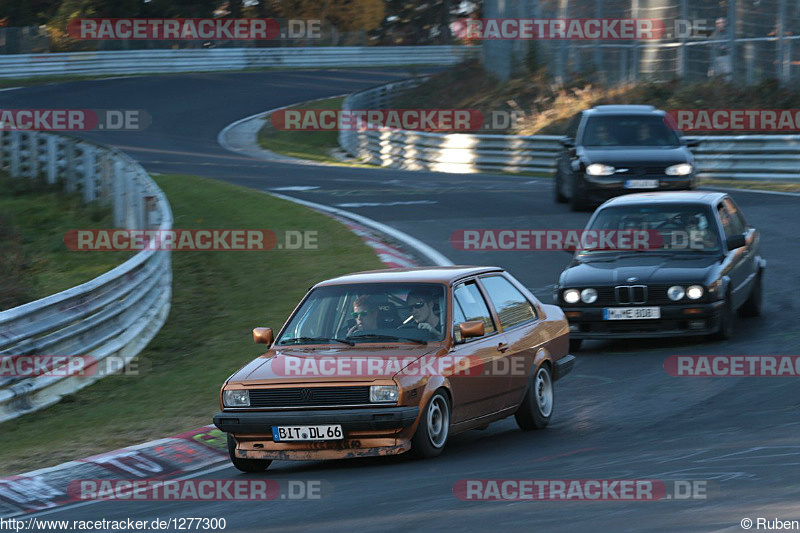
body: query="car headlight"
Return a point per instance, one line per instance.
(236, 398)
(694, 292)
(571, 296)
(588, 296)
(675, 293)
(681, 169)
(383, 393)
(597, 169)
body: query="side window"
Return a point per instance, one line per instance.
(470, 303)
(736, 215)
(730, 223)
(511, 305)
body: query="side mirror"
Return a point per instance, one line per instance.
(471, 328)
(263, 336)
(692, 143)
(735, 241)
(566, 142)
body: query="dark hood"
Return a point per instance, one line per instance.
(636, 156)
(604, 269)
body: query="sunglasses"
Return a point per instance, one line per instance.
(361, 314)
(418, 305)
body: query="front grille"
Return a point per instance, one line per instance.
(631, 294)
(645, 294)
(309, 396)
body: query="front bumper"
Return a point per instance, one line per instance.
(606, 187)
(261, 422)
(563, 366)
(674, 321)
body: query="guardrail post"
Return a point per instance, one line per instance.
(14, 148)
(118, 191)
(89, 173)
(33, 168)
(71, 159)
(51, 157)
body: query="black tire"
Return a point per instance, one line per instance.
(575, 344)
(725, 330)
(752, 306)
(577, 202)
(246, 465)
(558, 195)
(434, 427)
(537, 406)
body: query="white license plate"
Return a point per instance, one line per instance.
(631, 313)
(641, 184)
(288, 433)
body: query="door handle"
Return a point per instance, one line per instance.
(502, 347)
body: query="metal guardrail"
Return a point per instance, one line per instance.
(216, 59)
(109, 319)
(742, 157)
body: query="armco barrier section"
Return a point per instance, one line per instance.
(216, 59)
(109, 319)
(741, 157)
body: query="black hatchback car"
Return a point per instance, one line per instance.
(615, 149)
(703, 266)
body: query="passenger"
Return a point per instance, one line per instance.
(422, 313)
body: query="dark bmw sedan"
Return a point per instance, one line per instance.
(702, 266)
(615, 149)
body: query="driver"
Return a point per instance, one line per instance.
(422, 313)
(366, 314)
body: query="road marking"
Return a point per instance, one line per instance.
(426, 250)
(386, 204)
(295, 188)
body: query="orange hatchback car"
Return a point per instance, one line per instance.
(383, 362)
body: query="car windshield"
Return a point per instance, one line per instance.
(629, 130)
(373, 312)
(681, 227)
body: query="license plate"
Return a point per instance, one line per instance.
(288, 433)
(641, 184)
(631, 313)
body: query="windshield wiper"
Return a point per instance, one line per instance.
(318, 339)
(387, 337)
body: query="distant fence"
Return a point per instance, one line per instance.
(218, 59)
(108, 319)
(743, 157)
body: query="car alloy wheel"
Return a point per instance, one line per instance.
(537, 406)
(543, 386)
(434, 427)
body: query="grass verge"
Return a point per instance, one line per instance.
(35, 262)
(218, 297)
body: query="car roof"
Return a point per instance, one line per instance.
(444, 275)
(624, 110)
(683, 197)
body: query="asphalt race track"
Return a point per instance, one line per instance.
(617, 416)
